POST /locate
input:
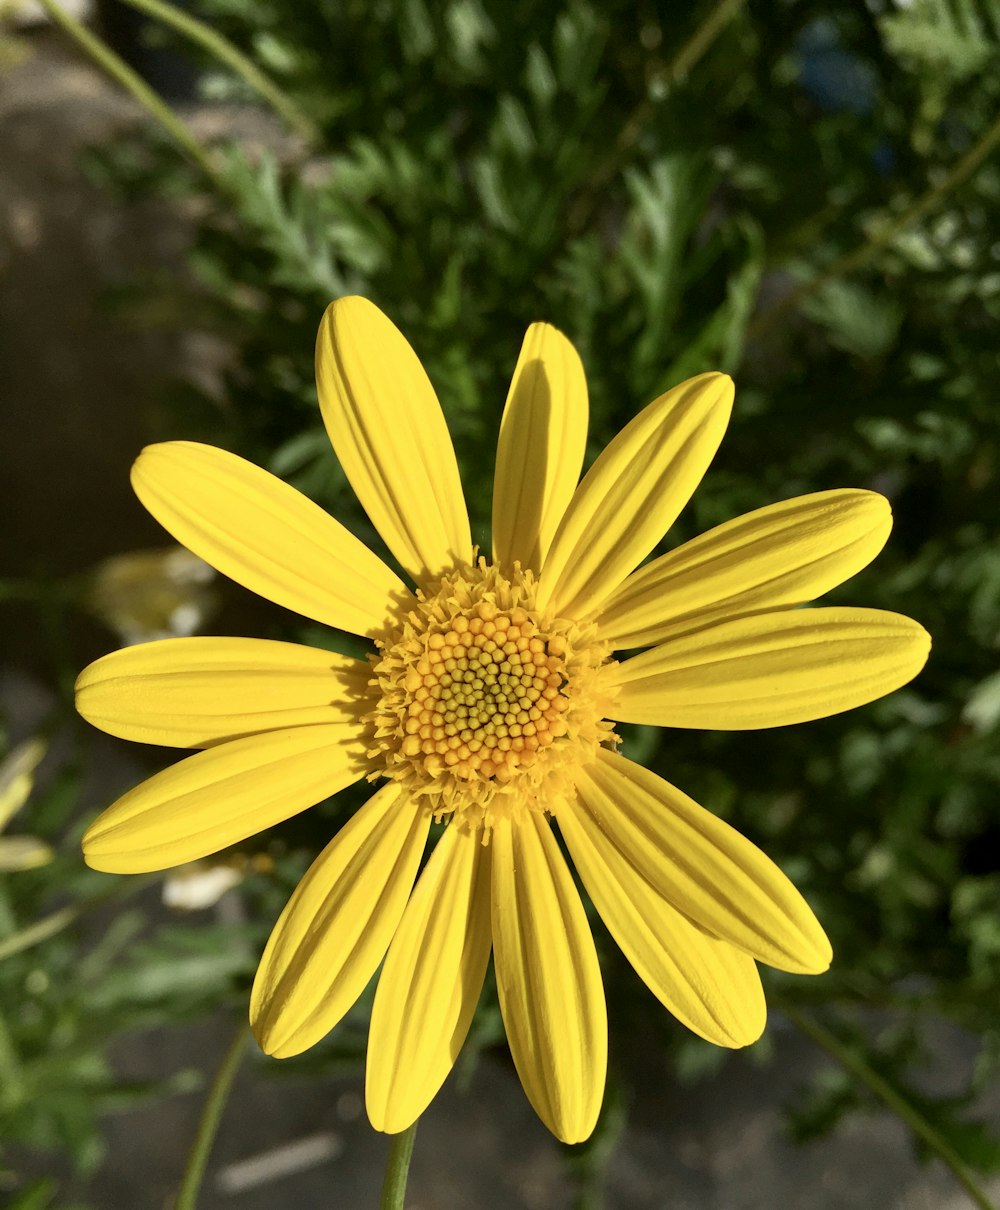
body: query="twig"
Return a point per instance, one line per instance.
(208, 1126)
(851, 262)
(890, 1097)
(119, 70)
(218, 45)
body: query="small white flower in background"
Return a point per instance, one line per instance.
(199, 885)
(17, 780)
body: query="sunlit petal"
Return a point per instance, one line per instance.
(785, 554)
(632, 494)
(337, 925)
(705, 868)
(709, 985)
(265, 535)
(390, 435)
(548, 979)
(215, 798)
(190, 693)
(543, 435)
(430, 984)
(769, 670)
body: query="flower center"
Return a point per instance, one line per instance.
(485, 705)
(486, 696)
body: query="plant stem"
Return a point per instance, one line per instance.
(133, 83)
(396, 1170)
(48, 926)
(702, 39)
(582, 213)
(890, 1097)
(852, 261)
(40, 930)
(216, 44)
(211, 1115)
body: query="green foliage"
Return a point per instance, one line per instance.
(949, 39)
(485, 164)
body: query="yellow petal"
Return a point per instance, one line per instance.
(632, 494)
(215, 798)
(548, 979)
(390, 435)
(769, 669)
(337, 925)
(265, 535)
(705, 868)
(543, 435)
(430, 984)
(709, 985)
(785, 554)
(190, 693)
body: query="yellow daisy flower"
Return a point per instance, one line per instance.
(490, 704)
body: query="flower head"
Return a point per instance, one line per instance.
(489, 703)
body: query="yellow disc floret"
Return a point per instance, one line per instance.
(483, 701)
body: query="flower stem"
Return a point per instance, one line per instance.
(702, 39)
(132, 82)
(396, 1170)
(889, 1096)
(216, 44)
(211, 1115)
(679, 68)
(48, 926)
(852, 261)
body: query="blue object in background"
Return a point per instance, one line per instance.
(839, 81)
(834, 78)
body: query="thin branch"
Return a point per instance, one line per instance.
(702, 39)
(132, 82)
(211, 1115)
(676, 71)
(888, 1095)
(55, 922)
(218, 45)
(851, 262)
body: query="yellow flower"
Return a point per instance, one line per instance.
(490, 704)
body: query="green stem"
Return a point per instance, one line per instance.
(851, 262)
(216, 44)
(677, 70)
(211, 1115)
(397, 1169)
(39, 931)
(133, 83)
(890, 1097)
(702, 38)
(48, 926)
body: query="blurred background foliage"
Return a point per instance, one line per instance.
(801, 194)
